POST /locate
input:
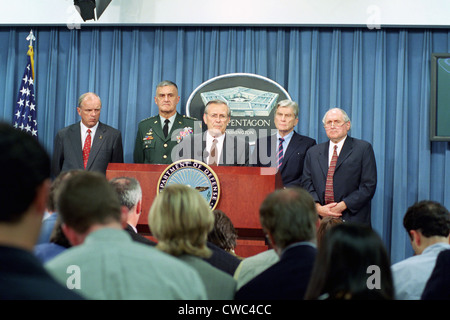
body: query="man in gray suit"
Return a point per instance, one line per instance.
(104, 143)
(214, 146)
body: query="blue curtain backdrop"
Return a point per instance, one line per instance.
(380, 77)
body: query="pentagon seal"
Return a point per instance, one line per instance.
(193, 173)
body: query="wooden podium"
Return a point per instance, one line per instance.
(242, 190)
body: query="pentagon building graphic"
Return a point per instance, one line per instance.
(244, 102)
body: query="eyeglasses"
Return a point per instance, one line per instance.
(335, 124)
(218, 116)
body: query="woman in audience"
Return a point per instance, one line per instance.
(223, 235)
(180, 219)
(352, 263)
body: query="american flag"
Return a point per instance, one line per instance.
(25, 117)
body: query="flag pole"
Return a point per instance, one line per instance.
(30, 52)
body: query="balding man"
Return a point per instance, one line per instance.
(89, 144)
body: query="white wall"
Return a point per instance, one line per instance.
(371, 13)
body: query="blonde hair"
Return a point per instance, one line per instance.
(180, 219)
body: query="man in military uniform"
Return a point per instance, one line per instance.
(154, 142)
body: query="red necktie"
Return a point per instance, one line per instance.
(87, 148)
(212, 154)
(329, 193)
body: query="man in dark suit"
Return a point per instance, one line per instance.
(130, 195)
(352, 186)
(214, 146)
(293, 145)
(158, 135)
(25, 185)
(289, 218)
(104, 142)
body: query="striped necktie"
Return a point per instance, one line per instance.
(280, 153)
(329, 192)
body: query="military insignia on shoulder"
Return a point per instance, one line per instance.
(191, 118)
(184, 133)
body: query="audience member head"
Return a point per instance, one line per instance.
(223, 234)
(51, 204)
(130, 196)
(180, 219)
(349, 255)
(426, 222)
(289, 216)
(86, 201)
(57, 236)
(25, 184)
(325, 224)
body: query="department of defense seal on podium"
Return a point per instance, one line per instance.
(195, 174)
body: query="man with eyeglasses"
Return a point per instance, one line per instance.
(341, 174)
(215, 146)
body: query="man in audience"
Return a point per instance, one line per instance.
(25, 184)
(104, 262)
(130, 197)
(428, 226)
(289, 218)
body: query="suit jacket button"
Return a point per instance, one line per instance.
(164, 156)
(165, 145)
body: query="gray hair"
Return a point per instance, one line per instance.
(344, 115)
(290, 104)
(218, 101)
(166, 83)
(84, 96)
(128, 189)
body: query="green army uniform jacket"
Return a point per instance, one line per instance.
(152, 147)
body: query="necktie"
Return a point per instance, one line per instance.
(329, 193)
(166, 127)
(213, 154)
(87, 148)
(280, 153)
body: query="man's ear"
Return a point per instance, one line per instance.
(41, 198)
(139, 207)
(416, 237)
(70, 234)
(123, 216)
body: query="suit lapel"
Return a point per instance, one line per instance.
(96, 144)
(347, 149)
(290, 149)
(323, 158)
(75, 141)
